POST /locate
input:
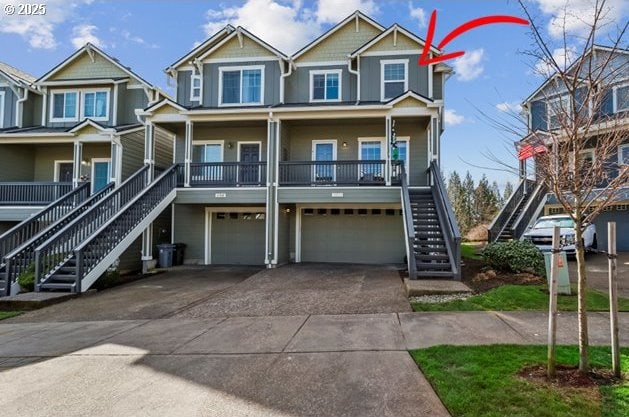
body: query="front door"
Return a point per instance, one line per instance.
(324, 151)
(100, 174)
(249, 168)
(65, 171)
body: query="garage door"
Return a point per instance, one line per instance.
(238, 238)
(371, 236)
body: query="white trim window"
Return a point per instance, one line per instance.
(209, 152)
(556, 108)
(241, 86)
(1, 109)
(403, 150)
(371, 149)
(325, 85)
(623, 154)
(393, 78)
(95, 104)
(65, 106)
(324, 150)
(195, 87)
(621, 98)
(586, 156)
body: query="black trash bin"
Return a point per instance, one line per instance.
(180, 249)
(166, 254)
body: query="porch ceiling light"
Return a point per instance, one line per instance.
(344, 145)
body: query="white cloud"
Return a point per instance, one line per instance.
(285, 24)
(574, 16)
(451, 118)
(562, 56)
(136, 39)
(418, 14)
(38, 30)
(332, 11)
(509, 107)
(83, 34)
(469, 66)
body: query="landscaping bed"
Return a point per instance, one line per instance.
(509, 380)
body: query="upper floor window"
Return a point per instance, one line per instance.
(558, 108)
(394, 78)
(623, 154)
(241, 85)
(65, 106)
(195, 87)
(621, 98)
(325, 85)
(96, 105)
(1, 109)
(586, 160)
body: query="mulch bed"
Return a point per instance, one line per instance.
(567, 376)
(480, 279)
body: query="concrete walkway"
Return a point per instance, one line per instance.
(306, 365)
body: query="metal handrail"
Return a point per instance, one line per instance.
(223, 173)
(449, 226)
(23, 256)
(338, 172)
(25, 230)
(95, 248)
(56, 250)
(529, 210)
(502, 218)
(409, 228)
(24, 193)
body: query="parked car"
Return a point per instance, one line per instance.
(541, 234)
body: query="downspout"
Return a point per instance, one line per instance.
(283, 77)
(357, 74)
(19, 111)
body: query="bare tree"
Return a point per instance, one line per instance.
(580, 164)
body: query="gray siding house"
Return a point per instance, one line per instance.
(328, 155)
(531, 199)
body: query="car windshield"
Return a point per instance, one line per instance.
(563, 222)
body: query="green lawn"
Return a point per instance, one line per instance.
(8, 314)
(521, 297)
(469, 252)
(475, 381)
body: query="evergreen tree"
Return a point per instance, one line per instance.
(467, 215)
(497, 195)
(485, 201)
(508, 191)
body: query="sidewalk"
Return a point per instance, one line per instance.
(316, 365)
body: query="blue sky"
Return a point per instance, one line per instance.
(493, 76)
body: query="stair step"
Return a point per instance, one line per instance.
(432, 257)
(56, 286)
(435, 274)
(63, 278)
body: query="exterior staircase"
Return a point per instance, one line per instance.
(76, 256)
(14, 240)
(432, 234)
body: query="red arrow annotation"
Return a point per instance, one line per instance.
(481, 21)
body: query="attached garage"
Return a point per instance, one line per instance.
(352, 235)
(237, 238)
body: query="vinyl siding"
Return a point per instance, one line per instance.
(621, 217)
(232, 135)
(45, 157)
(128, 101)
(297, 87)
(437, 86)
(132, 153)
(190, 229)
(17, 162)
(350, 195)
(370, 80)
(285, 230)
(163, 148)
(131, 259)
(17, 214)
(83, 67)
(231, 196)
(233, 49)
(32, 108)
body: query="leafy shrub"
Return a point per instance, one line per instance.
(27, 278)
(515, 256)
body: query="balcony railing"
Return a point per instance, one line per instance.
(348, 173)
(223, 174)
(32, 193)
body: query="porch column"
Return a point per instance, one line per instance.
(149, 149)
(76, 163)
(116, 163)
(188, 153)
(272, 211)
(147, 249)
(387, 156)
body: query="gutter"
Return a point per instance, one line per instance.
(283, 77)
(20, 109)
(356, 73)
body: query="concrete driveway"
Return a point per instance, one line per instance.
(597, 270)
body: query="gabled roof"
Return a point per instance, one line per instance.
(15, 74)
(356, 15)
(165, 102)
(239, 32)
(411, 94)
(589, 51)
(89, 49)
(201, 48)
(90, 122)
(394, 27)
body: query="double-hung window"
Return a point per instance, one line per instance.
(371, 154)
(96, 105)
(558, 110)
(394, 77)
(621, 98)
(210, 154)
(325, 85)
(241, 85)
(195, 87)
(65, 106)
